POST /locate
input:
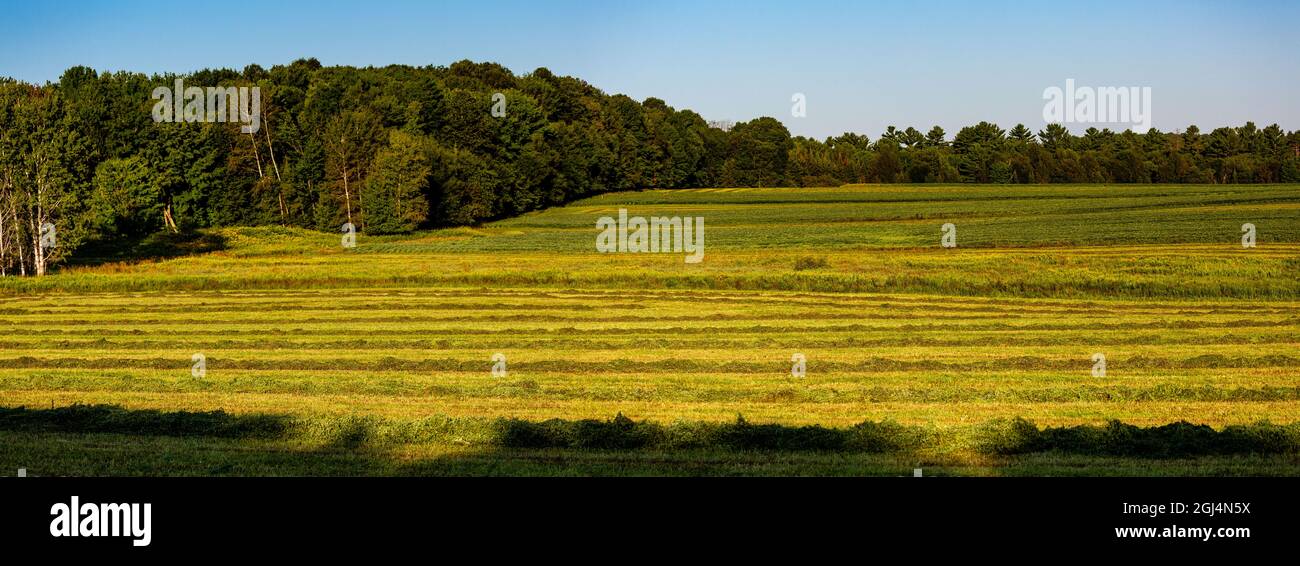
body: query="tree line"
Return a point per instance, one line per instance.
(399, 148)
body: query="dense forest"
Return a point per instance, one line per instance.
(398, 148)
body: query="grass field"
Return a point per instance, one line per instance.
(974, 360)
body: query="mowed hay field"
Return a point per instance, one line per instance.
(974, 360)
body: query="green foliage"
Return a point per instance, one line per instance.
(1291, 170)
(126, 200)
(45, 173)
(343, 144)
(398, 184)
(759, 151)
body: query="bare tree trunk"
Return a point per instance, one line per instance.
(5, 191)
(266, 127)
(167, 218)
(18, 240)
(279, 190)
(38, 253)
(37, 220)
(6, 195)
(256, 155)
(347, 194)
(4, 249)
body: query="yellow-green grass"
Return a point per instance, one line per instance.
(1193, 326)
(1191, 271)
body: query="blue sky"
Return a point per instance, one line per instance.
(861, 65)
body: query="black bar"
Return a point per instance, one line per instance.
(234, 517)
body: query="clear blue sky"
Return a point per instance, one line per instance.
(862, 65)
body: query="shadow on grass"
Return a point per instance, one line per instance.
(156, 246)
(113, 419)
(219, 443)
